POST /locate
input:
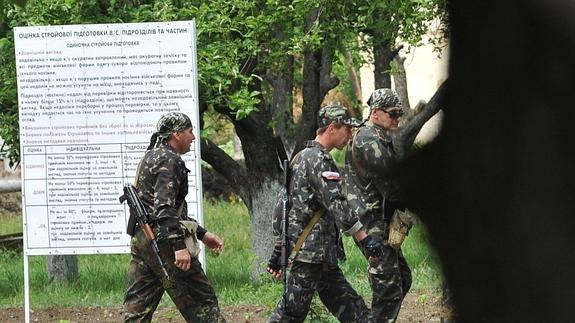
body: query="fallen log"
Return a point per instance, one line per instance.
(9, 186)
(12, 241)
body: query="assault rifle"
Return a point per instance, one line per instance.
(284, 236)
(139, 214)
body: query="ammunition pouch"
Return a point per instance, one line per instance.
(399, 227)
(190, 228)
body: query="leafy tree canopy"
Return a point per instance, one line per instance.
(238, 44)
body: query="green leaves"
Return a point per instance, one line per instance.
(244, 102)
(10, 148)
(242, 44)
(10, 134)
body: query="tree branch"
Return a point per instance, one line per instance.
(353, 78)
(400, 81)
(405, 135)
(393, 53)
(227, 167)
(327, 81)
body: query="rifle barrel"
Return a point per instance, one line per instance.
(284, 248)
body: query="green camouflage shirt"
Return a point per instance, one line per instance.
(315, 185)
(368, 157)
(163, 186)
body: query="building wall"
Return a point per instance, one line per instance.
(425, 72)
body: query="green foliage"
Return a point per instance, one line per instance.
(240, 42)
(11, 278)
(423, 261)
(339, 157)
(10, 148)
(218, 128)
(9, 133)
(103, 277)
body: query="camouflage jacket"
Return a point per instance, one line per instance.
(368, 157)
(163, 186)
(315, 185)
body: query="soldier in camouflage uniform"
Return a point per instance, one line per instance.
(315, 185)
(163, 186)
(374, 198)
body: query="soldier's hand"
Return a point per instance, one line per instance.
(371, 247)
(213, 242)
(183, 259)
(274, 264)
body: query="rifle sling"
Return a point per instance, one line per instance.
(304, 235)
(137, 179)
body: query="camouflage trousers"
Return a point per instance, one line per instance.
(333, 289)
(190, 290)
(389, 286)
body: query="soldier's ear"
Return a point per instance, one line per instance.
(331, 127)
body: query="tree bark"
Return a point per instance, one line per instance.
(310, 89)
(381, 62)
(317, 81)
(400, 82)
(404, 136)
(353, 78)
(10, 186)
(227, 167)
(282, 81)
(62, 268)
(264, 199)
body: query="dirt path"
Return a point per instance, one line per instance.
(415, 308)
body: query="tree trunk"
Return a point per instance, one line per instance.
(10, 186)
(264, 200)
(353, 78)
(381, 62)
(404, 136)
(310, 90)
(258, 183)
(62, 268)
(317, 81)
(400, 81)
(282, 81)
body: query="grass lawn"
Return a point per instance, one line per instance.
(103, 277)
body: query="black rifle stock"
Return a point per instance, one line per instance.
(284, 242)
(141, 216)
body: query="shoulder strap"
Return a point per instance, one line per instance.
(304, 234)
(137, 179)
(181, 210)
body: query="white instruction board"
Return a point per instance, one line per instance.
(89, 97)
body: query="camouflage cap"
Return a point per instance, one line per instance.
(335, 114)
(173, 122)
(383, 98)
(168, 124)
